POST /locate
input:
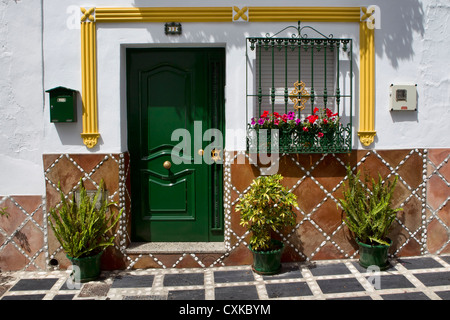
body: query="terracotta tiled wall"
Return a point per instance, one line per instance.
(317, 180)
(67, 169)
(22, 234)
(438, 208)
(27, 243)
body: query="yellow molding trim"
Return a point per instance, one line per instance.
(87, 14)
(240, 13)
(305, 14)
(366, 14)
(92, 16)
(180, 14)
(227, 14)
(367, 131)
(89, 83)
(90, 139)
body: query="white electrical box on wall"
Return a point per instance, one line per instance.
(403, 97)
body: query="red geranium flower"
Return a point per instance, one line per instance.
(330, 113)
(312, 119)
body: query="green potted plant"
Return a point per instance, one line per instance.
(266, 207)
(82, 227)
(369, 216)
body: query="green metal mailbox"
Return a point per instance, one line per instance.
(63, 104)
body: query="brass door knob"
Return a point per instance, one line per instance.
(215, 155)
(167, 165)
(200, 152)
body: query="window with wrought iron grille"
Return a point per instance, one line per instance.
(299, 94)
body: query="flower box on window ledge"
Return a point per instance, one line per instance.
(313, 77)
(320, 132)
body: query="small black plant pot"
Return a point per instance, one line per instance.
(268, 262)
(374, 255)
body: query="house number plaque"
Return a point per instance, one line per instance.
(173, 28)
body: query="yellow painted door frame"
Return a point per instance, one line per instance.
(92, 16)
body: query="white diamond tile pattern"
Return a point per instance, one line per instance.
(122, 234)
(18, 237)
(434, 170)
(418, 192)
(417, 233)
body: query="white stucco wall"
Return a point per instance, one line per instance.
(21, 98)
(412, 46)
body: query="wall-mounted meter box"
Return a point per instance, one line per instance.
(63, 104)
(403, 97)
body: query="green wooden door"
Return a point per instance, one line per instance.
(168, 90)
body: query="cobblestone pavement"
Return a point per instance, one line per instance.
(412, 278)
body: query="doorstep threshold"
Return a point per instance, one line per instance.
(176, 247)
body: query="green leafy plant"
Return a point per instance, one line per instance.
(81, 227)
(368, 209)
(267, 206)
(3, 212)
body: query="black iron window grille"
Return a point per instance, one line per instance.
(299, 94)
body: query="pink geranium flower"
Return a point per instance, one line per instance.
(291, 115)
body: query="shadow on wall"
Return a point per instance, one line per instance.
(399, 21)
(69, 132)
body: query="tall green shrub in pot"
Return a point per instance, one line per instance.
(367, 205)
(82, 229)
(267, 206)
